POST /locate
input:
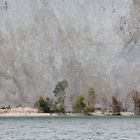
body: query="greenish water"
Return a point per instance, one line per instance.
(69, 128)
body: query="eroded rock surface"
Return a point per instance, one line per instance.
(91, 43)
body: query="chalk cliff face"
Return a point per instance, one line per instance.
(91, 43)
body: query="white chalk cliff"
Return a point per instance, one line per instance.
(91, 43)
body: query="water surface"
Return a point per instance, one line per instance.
(70, 128)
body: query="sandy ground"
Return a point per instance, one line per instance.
(23, 112)
(34, 112)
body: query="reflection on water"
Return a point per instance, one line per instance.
(70, 128)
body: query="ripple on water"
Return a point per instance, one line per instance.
(70, 128)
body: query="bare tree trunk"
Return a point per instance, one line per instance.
(137, 108)
(116, 110)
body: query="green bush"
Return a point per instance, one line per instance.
(79, 104)
(42, 105)
(89, 109)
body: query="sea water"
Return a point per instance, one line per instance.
(70, 128)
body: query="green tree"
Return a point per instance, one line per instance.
(60, 91)
(91, 97)
(79, 104)
(58, 107)
(49, 103)
(42, 105)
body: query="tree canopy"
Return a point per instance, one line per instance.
(59, 90)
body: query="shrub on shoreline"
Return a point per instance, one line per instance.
(79, 105)
(42, 105)
(89, 109)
